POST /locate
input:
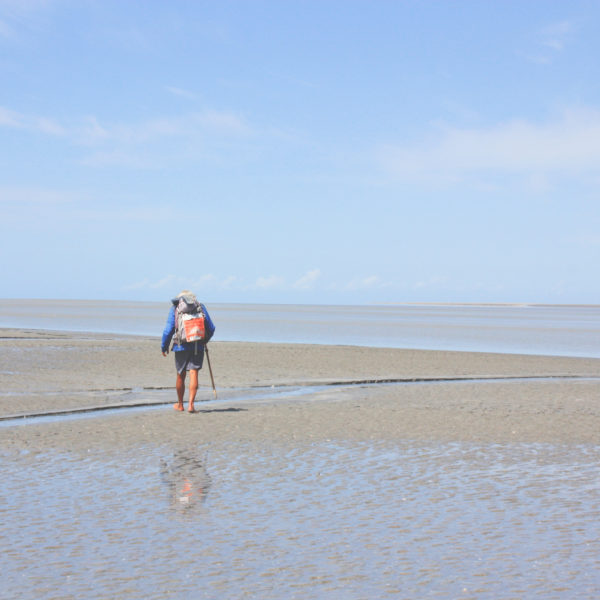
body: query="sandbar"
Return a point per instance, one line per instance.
(351, 393)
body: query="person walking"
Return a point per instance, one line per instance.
(189, 356)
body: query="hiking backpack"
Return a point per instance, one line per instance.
(190, 321)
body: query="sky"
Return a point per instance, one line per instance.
(298, 151)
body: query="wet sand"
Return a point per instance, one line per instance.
(302, 480)
(43, 372)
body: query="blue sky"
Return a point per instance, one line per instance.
(300, 151)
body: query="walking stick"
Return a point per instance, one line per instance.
(212, 379)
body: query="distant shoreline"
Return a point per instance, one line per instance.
(491, 304)
(311, 304)
(563, 330)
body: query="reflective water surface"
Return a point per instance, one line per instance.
(323, 520)
(528, 329)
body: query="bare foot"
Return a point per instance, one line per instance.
(178, 406)
(191, 409)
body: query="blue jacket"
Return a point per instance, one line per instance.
(169, 330)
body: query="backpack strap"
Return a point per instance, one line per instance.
(176, 336)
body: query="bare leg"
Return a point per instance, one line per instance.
(193, 388)
(180, 387)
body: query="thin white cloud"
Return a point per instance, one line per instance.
(90, 131)
(211, 282)
(364, 283)
(556, 35)
(168, 281)
(272, 282)
(229, 282)
(183, 126)
(26, 198)
(170, 284)
(308, 280)
(176, 91)
(538, 59)
(369, 282)
(549, 41)
(48, 126)
(9, 118)
(568, 145)
(37, 124)
(139, 145)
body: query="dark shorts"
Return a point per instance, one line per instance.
(191, 359)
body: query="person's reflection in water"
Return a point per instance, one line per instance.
(186, 478)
